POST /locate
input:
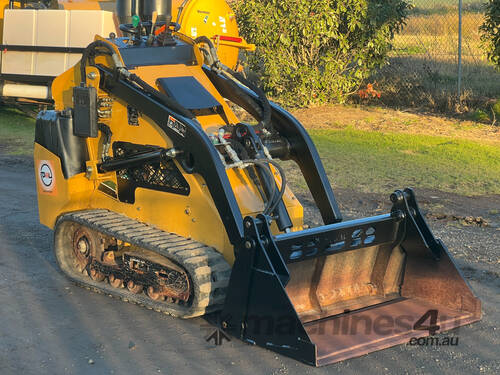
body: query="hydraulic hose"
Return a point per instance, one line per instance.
(91, 51)
(179, 11)
(212, 52)
(218, 67)
(272, 193)
(275, 195)
(283, 184)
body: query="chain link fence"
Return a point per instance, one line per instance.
(437, 62)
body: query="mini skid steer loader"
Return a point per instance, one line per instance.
(160, 195)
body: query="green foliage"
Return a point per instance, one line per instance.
(491, 31)
(496, 108)
(317, 51)
(480, 115)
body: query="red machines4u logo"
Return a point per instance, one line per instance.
(46, 177)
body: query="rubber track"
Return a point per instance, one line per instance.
(208, 270)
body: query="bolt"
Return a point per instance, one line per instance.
(248, 224)
(224, 325)
(248, 245)
(92, 75)
(264, 240)
(398, 215)
(172, 153)
(396, 197)
(187, 211)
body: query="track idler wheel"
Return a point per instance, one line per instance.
(82, 248)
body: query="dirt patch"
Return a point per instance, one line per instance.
(463, 220)
(481, 211)
(389, 120)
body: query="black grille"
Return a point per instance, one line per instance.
(160, 175)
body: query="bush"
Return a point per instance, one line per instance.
(317, 51)
(491, 31)
(480, 116)
(496, 109)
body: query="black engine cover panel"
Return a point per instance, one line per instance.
(54, 131)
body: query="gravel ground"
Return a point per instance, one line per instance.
(50, 326)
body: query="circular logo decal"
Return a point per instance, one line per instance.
(46, 175)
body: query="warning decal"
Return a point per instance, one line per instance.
(176, 126)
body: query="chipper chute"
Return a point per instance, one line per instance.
(155, 189)
(342, 290)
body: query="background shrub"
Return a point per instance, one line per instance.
(491, 31)
(317, 51)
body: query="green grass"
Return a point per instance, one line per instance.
(377, 162)
(17, 132)
(366, 161)
(432, 4)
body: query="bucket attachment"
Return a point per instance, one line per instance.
(339, 291)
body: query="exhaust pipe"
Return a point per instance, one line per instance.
(125, 9)
(162, 7)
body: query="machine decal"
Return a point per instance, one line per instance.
(46, 177)
(222, 21)
(176, 126)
